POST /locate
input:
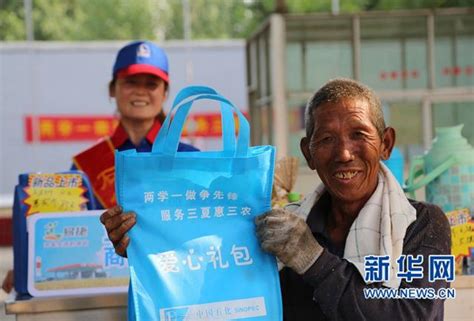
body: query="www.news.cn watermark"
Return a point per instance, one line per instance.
(409, 293)
(409, 268)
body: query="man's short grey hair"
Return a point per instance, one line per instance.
(340, 89)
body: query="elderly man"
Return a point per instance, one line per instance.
(358, 211)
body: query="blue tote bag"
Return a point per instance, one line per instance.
(193, 253)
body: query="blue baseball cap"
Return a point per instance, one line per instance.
(141, 57)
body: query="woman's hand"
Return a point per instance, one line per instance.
(117, 225)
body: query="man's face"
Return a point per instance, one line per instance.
(139, 97)
(345, 149)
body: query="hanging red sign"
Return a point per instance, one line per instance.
(66, 128)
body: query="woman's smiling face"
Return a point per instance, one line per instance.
(139, 97)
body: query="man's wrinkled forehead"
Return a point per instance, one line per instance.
(349, 107)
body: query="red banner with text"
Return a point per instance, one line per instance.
(66, 128)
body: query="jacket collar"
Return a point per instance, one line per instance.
(120, 136)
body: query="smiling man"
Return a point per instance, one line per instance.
(359, 214)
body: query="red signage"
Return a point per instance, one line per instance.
(58, 128)
(66, 128)
(456, 71)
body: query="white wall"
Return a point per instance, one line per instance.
(72, 78)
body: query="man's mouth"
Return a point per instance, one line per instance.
(345, 175)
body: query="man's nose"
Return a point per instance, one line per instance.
(344, 151)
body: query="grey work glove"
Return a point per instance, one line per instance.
(288, 237)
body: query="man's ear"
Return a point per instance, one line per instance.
(388, 142)
(304, 146)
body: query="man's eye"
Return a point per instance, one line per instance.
(326, 139)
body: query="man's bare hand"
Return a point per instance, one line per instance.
(117, 225)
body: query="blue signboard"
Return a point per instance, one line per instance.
(69, 253)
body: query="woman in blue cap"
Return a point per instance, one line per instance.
(139, 85)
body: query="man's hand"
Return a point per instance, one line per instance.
(288, 237)
(7, 285)
(117, 224)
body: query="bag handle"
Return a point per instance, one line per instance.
(227, 117)
(192, 91)
(168, 143)
(177, 124)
